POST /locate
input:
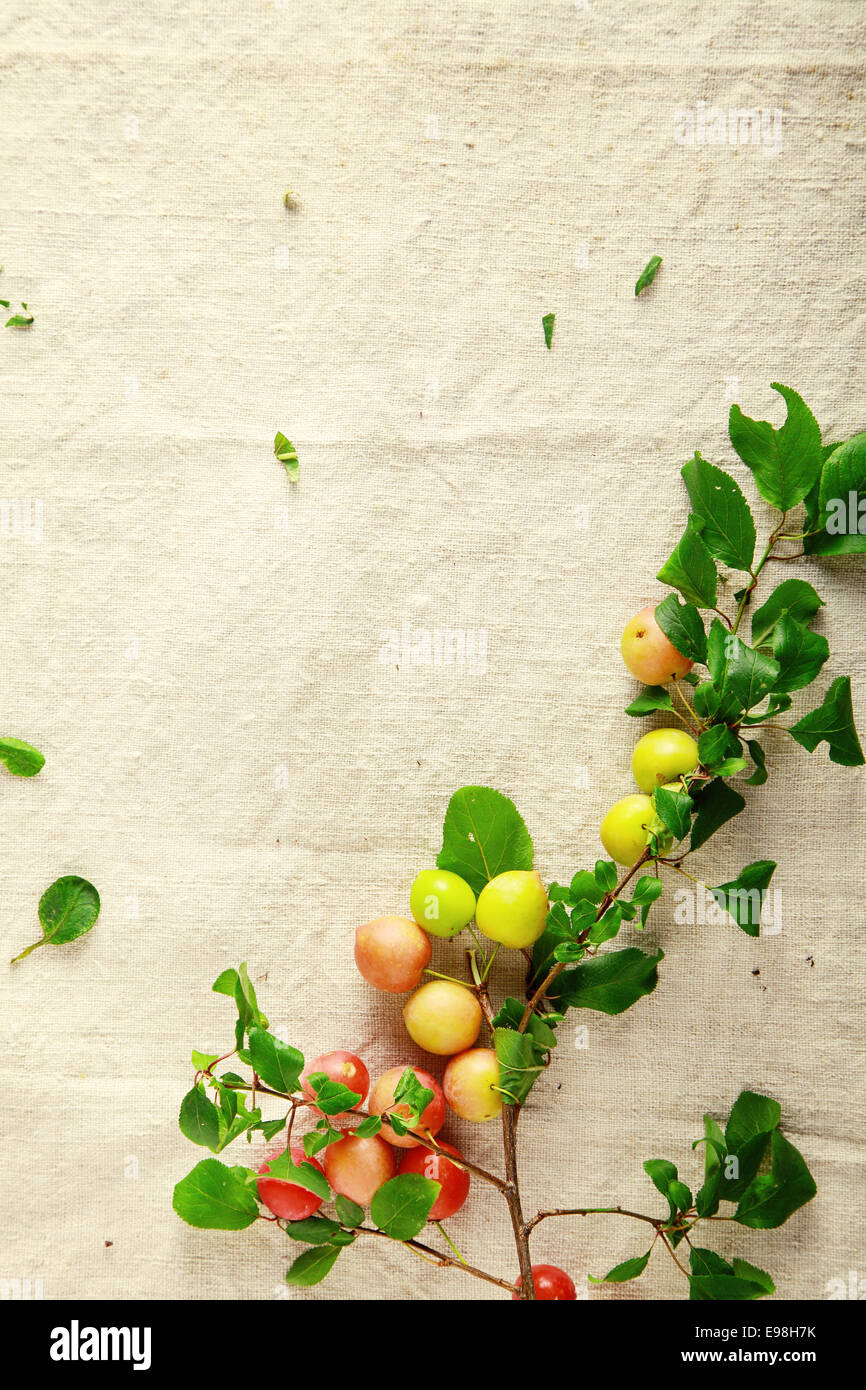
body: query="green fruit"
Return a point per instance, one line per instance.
(624, 828)
(512, 908)
(661, 755)
(441, 902)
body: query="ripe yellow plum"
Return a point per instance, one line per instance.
(469, 1082)
(443, 1017)
(512, 908)
(662, 755)
(624, 828)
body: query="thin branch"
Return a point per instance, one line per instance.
(440, 1258)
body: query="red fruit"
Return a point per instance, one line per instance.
(358, 1167)
(344, 1067)
(454, 1181)
(286, 1199)
(550, 1284)
(382, 1098)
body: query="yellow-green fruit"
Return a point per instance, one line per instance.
(661, 755)
(443, 1017)
(441, 902)
(512, 908)
(624, 828)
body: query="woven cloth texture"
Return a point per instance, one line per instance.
(245, 749)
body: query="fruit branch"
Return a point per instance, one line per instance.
(440, 1258)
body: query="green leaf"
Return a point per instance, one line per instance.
(604, 929)
(67, 909)
(777, 705)
(519, 1064)
(706, 699)
(313, 1230)
(605, 875)
(20, 320)
(743, 897)
(714, 745)
(20, 758)
(707, 1199)
(410, 1091)
(736, 667)
(402, 1205)
(226, 983)
(692, 570)
(776, 1195)
(548, 321)
(760, 774)
(313, 1266)
(647, 889)
(833, 722)
(621, 1273)
(585, 885)
(483, 835)
(744, 1270)
(716, 803)
(799, 652)
(705, 1264)
(349, 1212)
(215, 1197)
(609, 983)
(751, 1115)
(683, 626)
(284, 1168)
(841, 518)
(648, 274)
(785, 462)
(727, 526)
(332, 1097)
(674, 810)
(287, 455)
(199, 1118)
(652, 697)
(278, 1065)
(793, 596)
(663, 1174)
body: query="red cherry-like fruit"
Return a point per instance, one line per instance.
(550, 1284)
(453, 1181)
(286, 1199)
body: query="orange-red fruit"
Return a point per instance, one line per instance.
(344, 1067)
(453, 1181)
(550, 1283)
(358, 1167)
(286, 1199)
(382, 1099)
(648, 653)
(391, 953)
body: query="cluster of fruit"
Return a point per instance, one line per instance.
(443, 1017)
(663, 758)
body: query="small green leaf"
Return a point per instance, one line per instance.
(483, 836)
(648, 274)
(737, 668)
(610, 982)
(727, 526)
(751, 1115)
(20, 758)
(215, 1197)
(840, 521)
(287, 455)
(402, 1205)
(651, 698)
(312, 1230)
(520, 1064)
(332, 1097)
(793, 596)
(774, 1196)
(714, 745)
(278, 1065)
(716, 803)
(744, 896)
(647, 889)
(199, 1118)
(799, 652)
(621, 1273)
(683, 626)
(313, 1266)
(785, 462)
(833, 722)
(284, 1169)
(349, 1212)
(674, 810)
(692, 570)
(367, 1128)
(548, 321)
(605, 875)
(756, 753)
(67, 910)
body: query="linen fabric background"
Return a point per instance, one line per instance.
(234, 755)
